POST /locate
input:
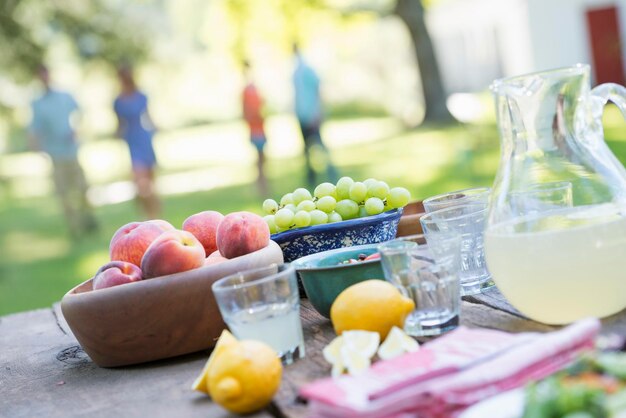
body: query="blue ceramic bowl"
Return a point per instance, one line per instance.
(324, 276)
(301, 242)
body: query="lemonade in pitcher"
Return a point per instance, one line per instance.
(571, 267)
(557, 259)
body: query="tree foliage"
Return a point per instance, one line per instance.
(117, 31)
(293, 13)
(94, 29)
(411, 12)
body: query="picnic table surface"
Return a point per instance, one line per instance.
(45, 373)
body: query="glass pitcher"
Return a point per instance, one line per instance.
(555, 241)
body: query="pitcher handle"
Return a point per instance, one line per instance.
(609, 92)
(600, 96)
(588, 120)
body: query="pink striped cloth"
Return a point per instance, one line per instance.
(449, 374)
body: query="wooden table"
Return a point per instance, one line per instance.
(44, 372)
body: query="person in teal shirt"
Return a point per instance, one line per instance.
(51, 132)
(308, 109)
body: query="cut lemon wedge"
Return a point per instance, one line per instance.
(332, 352)
(226, 340)
(355, 361)
(396, 344)
(352, 350)
(363, 342)
(338, 368)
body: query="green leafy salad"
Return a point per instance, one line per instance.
(593, 387)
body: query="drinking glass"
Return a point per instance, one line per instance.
(263, 304)
(467, 221)
(428, 274)
(478, 195)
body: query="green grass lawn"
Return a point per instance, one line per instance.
(38, 262)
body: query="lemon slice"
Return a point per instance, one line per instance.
(363, 342)
(226, 340)
(396, 344)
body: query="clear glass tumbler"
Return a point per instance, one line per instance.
(263, 304)
(467, 221)
(428, 274)
(479, 195)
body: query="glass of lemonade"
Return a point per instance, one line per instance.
(263, 304)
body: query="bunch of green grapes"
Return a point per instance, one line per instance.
(329, 203)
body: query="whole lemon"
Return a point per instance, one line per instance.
(244, 377)
(372, 305)
(226, 340)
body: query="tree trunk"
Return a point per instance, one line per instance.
(412, 14)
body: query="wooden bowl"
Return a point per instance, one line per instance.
(410, 221)
(156, 318)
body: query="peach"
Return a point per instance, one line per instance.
(241, 233)
(131, 241)
(203, 226)
(164, 225)
(172, 252)
(209, 261)
(216, 253)
(116, 273)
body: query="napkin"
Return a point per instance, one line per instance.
(450, 373)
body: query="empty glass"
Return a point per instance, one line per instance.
(467, 221)
(263, 304)
(479, 195)
(428, 274)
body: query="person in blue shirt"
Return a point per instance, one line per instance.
(136, 127)
(51, 132)
(308, 109)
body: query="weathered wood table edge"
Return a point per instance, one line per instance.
(44, 372)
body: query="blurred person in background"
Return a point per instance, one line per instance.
(253, 115)
(308, 108)
(136, 128)
(51, 132)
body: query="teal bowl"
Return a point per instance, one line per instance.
(324, 276)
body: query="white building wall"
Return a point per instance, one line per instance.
(559, 30)
(479, 40)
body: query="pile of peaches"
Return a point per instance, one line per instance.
(145, 250)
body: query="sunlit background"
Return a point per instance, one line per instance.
(372, 58)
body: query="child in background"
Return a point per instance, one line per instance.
(252, 113)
